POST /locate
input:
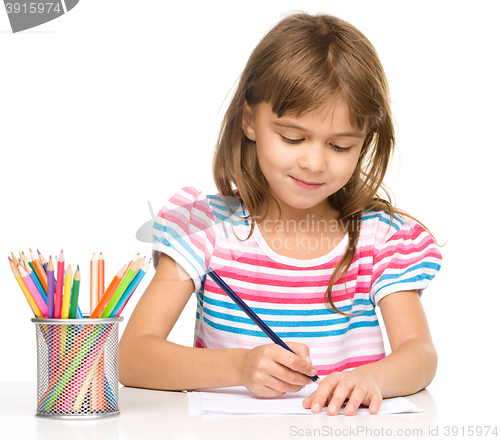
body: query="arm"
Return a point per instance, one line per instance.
(148, 360)
(409, 368)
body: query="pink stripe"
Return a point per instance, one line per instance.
(351, 348)
(199, 343)
(350, 336)
(402, 265)
(324, 370)
(299, 297)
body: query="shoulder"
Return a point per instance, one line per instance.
(192, 203)
(379, 228)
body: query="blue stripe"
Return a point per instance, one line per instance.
(309, 312)
(385, 217)
(176, 238)
(223, 213)
(167, 244)
(422, 265)
(415, 279)
(283, 335)
(245, 320)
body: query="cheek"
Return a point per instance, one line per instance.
(344, 167)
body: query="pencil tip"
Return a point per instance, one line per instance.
(39, 253)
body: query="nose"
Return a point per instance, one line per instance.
(313, 158)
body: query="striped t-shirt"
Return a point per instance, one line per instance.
(288, 294)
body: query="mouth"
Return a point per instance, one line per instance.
(305, 184)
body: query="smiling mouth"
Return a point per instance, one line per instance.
(306, 185)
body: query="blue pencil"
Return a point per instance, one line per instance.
(251, 314)
(129, 291)
(38, 285)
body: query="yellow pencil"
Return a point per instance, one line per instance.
(26, 292)
(67, 293)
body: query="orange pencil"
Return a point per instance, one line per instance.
(100, 277)
(108, 294)
(132, 261)
(42, 276)
(93, 283)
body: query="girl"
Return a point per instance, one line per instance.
(299, 232)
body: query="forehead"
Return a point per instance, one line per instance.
(334, 117)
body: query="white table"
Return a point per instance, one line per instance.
(147, 414)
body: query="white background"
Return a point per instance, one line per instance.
(119, 102)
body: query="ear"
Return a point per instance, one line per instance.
(248, 121)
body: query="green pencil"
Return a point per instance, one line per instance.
(121, 288)
(74, 294)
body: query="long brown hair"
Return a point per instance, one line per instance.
(301, 65)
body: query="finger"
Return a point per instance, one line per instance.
(306, 403)
(301, 350)
(325, 389)
(358, 395)
(375, 402)
(341, 393)
(282, 386)
(295, 363)
(290, 376)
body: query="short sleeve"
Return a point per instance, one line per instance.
(407, 259)
(183, 230)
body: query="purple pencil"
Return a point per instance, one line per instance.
(51, 288)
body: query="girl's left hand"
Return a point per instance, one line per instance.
(360, 387)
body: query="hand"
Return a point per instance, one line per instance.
(359, 386)
(271, 371)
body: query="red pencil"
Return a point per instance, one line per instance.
(59, 286)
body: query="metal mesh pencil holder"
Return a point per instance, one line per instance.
(77, 368)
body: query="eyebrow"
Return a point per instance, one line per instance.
(354, 134)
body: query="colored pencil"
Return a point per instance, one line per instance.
(74, 294)
(27, 294)
(93, 283)
(129, 291)
(43, 261)
(36, 281)
(42, 276)
(109, 293)
(251, 314)
(51, 288)
(33, 290)
(67, 293)
(29, 264)
(100, 270)
(59, 286)
(120, 290)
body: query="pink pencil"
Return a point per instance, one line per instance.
(59, 286)
(33, 290)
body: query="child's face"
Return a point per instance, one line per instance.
(304, 159)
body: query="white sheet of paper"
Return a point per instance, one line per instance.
(238, 400)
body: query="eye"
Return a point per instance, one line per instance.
(340, 149)
(290, 141)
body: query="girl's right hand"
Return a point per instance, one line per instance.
(271, 371)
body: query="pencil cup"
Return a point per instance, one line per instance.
(77, 374)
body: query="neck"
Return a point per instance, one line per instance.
(287, 218)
